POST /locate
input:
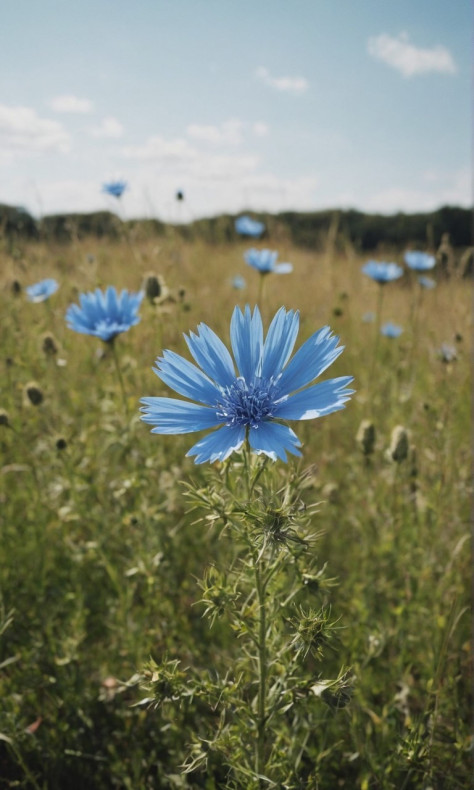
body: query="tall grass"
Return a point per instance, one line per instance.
(99, 556)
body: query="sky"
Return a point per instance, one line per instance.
(264, 105)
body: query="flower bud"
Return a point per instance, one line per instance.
(153, 286)
(398, 450)
(366, 437)
(34, 393)
(49, 346)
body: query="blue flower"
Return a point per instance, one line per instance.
(41, 291)
(252, 401)
(419, 261)
(105, 315)
(391, 330)
(247, 226)
(447, 353)
(427, 282)
(115, 188)
(368, 318)
(265, 262)
(382, 272)
(238, 282)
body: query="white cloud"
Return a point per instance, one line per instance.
(110, 129)
(260, 129)
(179, 157)
(296, 85)
(408, 59)
(442, 189)
(71, 104)
(22, 131)
(230, 132)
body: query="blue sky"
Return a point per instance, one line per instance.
(260, 104)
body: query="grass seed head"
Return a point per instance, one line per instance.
(399, 444)
(49, 345)
(366, 437)
(4, 419)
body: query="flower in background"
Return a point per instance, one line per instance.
(115, 188)
(391, 330)
(41, 291)
(247, 226)
(105, 315)
(382, 272)
(447, 353)
(238, 282)
(427, 282)
(368, 318)
(251, 402)
(265, 262)
(419, 261)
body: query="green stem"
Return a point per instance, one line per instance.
(262, 672)
(260, 291)
(119, 375)
(378, 319)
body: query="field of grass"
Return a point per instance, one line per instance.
(100, 555)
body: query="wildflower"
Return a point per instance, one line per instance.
(34, 393)
(399, 444)
(366, 437)
(427, 282)
(247, 226)
(382, 272)
(4, 418)
(105, 315)
(238, 282)
(115, 188)
(41, 291)
(391, 330)
(265, 262)
(419, 261)
(251, 403)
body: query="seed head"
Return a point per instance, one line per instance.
(34, 393)
(16, 287)
(4, 420)
(366, 437)
(399, 445)
(61, 443)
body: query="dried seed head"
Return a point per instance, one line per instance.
(4, 420)
(366, 437)
(181, 292)
(153, 286)
(49, 345)
(61, 443)
(398, 450)
(34, 393)
(16, 287)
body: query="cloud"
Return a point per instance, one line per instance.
(260, 129)
(296, 85)
(408, 59)
(435, 190)
(178, 156)
(228, 132)
(71, 104)
(22, 131)
(110, 129)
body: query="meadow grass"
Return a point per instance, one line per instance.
(100, 556)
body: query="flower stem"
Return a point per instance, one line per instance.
(260, 292)
(262, 671)
(378, 320)
(119, 375)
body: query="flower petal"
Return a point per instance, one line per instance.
(170, 415)
(279, 342)
(211, 355)
(273, 439)
(316, 401)
(185, 378)
(310, 361)
(246, 337)
(218, 445)
(283, 268)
